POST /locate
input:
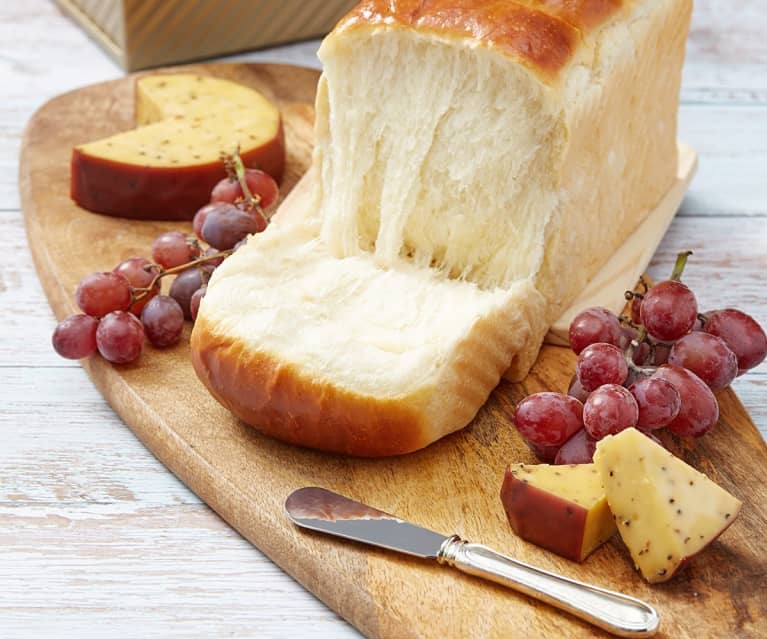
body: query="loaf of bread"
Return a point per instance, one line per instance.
(475, 164)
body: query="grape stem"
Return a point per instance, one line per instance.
(681, 262)
(641, 337)
(253, 202)
(625, 320)
(239, 170)
(630, 295)
(141, 293)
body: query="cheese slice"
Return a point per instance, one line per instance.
(666, 511)
(166, 168)
(560, 508)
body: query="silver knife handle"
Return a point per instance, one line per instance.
(616, 613)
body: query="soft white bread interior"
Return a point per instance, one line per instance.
(475, 164)
(488, 168)
(342, 355)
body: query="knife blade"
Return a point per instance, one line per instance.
(328, 512)
(322, 510)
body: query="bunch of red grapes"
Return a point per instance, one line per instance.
(122, 307)
(655, 369)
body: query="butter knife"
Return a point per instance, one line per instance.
(328, 512)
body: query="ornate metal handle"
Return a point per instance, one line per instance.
(616, 613)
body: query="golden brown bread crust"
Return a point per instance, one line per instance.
(281, 403)
(541, 34)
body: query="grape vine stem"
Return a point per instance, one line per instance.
(641, 337)
(681, 262)
(141, 293)
(234, 162)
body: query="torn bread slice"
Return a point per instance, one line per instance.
(343, 356)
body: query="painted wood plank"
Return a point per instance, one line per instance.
(94, 571)
(732, 146)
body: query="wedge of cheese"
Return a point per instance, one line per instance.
(666, 511)
(560, 508)
(166, 168)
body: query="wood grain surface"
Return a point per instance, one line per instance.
(451, 487)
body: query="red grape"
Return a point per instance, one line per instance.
(548, 419)
(194, 303)
(741, 333)
(260, 220)
(133, 270)
(173, 249)
(626, 336)
(212, 251)
(600, 364)
(658, 402)
(75, 337)
(199, 218)
(668, 310)
(632, 377)
(576, 390)
(223, 228)
(260, 184)
(579, 449)
(636, 305)
(661, 352)
(544, 453)
(699, 411)
(227, 190)
(186, 283)
(594, 325)
(102, 293)
(707, 356)
(641, 354)
(163, 321)
(608, 410)
(263, 185)
(120, 337)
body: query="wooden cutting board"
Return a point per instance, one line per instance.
(452, 486)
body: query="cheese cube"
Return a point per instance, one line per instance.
(560, 508)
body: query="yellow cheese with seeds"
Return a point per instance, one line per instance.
(665, 510)
(189, 119)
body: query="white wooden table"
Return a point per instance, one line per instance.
(97, 538)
